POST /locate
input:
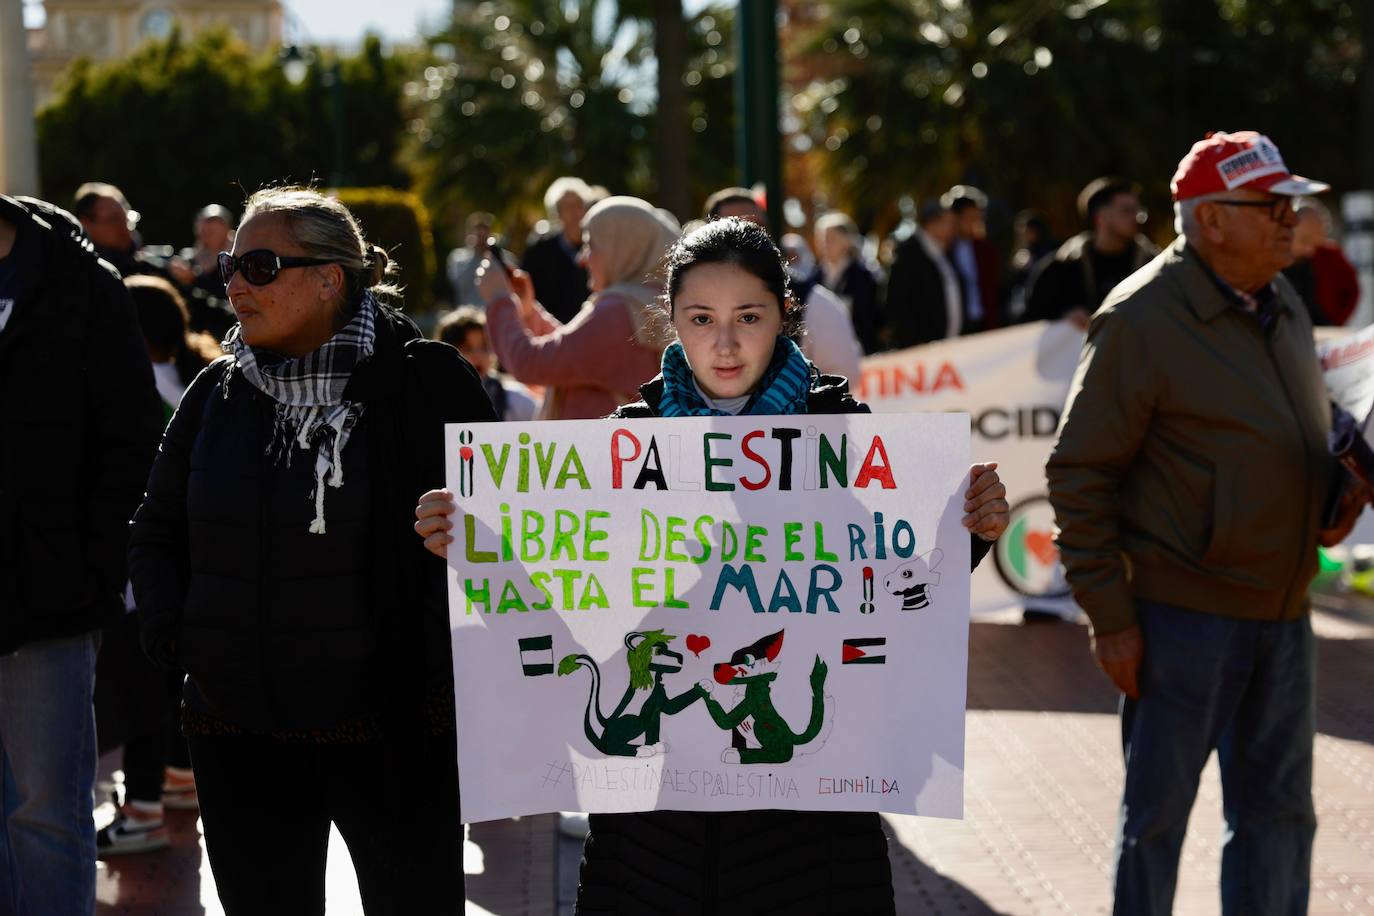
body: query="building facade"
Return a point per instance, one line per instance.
(112, 29)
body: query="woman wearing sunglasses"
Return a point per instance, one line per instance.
(272, 561)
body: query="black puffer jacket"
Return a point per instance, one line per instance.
(757, 863)
(281, 630)
(79, 421)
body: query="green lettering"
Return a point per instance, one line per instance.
(567, 577)
(511, 599)
(704, 537)
(480, 596)
(791, 534)
(637, 588)
(496, 468)
(591, 535)
(669, 587)
(545, 462)
(729, 542)
(753, 534)
(593, 595)
(712, 462)
(834, 464)
(648, 522)
(563, 538)
(528, 554)
(821, 552)
(675, 536)
(539, 580)
(470, 551)
(577, 472)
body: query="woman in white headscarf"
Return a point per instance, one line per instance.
(598, 360)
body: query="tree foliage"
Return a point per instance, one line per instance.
(1033, 98)
(181, 124)
(527, 90)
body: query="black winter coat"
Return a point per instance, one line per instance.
(755, 863)
(915, 311)
(560, 283)
(281, 630)
(79, 422)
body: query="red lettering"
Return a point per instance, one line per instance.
(879, 472)
(757, 459)
(618, 459)
(900, 379)
(947, 377)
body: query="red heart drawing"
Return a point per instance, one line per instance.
(698, 644)
(1041, 543)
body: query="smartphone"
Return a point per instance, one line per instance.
(497, 255)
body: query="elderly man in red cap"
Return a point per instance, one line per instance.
(1191, 485)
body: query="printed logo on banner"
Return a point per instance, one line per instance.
(1026, 556)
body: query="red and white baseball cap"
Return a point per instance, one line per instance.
(1245, 159)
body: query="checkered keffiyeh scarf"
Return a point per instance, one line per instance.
(308, 393)
(782, 390)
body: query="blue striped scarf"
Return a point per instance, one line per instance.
(782, 390)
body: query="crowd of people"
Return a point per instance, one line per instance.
(223, 517)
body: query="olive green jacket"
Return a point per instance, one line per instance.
(1192, 464)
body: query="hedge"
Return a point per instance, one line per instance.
(398, 222)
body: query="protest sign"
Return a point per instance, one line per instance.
(1347, 362)
(1013, 383)
(710, 614)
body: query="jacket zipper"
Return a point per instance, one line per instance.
(1307, 460)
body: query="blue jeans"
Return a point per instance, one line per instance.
(47, 776)
(1247, 689)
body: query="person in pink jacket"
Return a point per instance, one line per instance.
(598, 360)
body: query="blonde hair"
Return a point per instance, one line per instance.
(324, 228)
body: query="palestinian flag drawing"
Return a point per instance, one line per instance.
(536, 655)
(465, 480)
(860, 651)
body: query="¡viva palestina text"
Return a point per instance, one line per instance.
(794, 459)
(539, 537)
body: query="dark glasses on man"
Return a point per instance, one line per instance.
(1280, 208)
(261, 266)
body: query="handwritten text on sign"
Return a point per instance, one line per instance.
(710, 614)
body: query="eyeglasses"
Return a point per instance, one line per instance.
(1278, 207)
(261, 266)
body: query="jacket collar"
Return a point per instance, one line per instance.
(1203, 289)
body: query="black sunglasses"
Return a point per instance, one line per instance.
(261, 266)
(1278, 207)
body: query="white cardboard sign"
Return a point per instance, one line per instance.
(710, 614)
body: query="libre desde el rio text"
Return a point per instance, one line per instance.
(545, 538)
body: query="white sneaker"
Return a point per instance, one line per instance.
(130, 833)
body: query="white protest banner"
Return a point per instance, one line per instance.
(710, 614)
(1013, 383)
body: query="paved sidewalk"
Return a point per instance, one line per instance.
(1042, 784)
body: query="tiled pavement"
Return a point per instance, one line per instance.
(1041, 788)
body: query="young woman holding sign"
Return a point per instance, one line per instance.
(728, 300)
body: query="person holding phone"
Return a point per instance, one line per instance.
(597, 360)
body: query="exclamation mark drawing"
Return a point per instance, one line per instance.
(465, 480)
(867, 606)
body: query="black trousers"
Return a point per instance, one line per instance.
(266, 806)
